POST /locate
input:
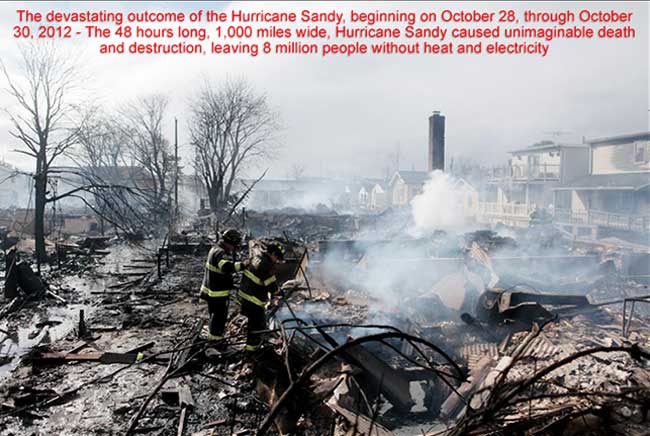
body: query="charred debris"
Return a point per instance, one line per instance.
(471, 334)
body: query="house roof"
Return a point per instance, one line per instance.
(461, 183)
(366, 186)
(612, 182)
(413, 177)
(545, 146)
(621, 139)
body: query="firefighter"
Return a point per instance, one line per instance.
(258, 281)
(218, 281)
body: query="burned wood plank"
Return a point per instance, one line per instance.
(489, 381)
(381, 376)
(392, 384)
(182, 357)
(141, 348)
(187, 405)
(55, 296)
(454, 404)
(123, 284)
(57, 357)
(344, 401)
(78, 346)
(118, 357)
(181, 422)
(10, 407)
(212, 424)
(130, 274)
(102, 357)
(417, 374)
(363, 425)
(106, 328)
(11, 306)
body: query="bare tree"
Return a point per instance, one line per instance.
(142, 124)
(231, 127)
(297, 171)
(101, 159)
(126, 166)
(101, 142)
(42, 91)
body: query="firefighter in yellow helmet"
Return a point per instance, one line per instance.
(258, 282)
(218, 281)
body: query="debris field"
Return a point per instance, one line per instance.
(473, 334)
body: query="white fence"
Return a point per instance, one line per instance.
(637, 223)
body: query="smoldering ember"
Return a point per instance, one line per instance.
(142, 296)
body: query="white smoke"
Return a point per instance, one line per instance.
(439, 206)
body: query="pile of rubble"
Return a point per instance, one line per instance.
(451, 349)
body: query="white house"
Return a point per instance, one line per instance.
(404, 185)
(468, 196)
(614, 195)
(532, 174)
(378, 197)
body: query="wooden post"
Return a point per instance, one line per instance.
(82, 330)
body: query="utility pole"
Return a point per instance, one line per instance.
(176, 161)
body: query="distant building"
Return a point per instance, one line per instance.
(15, 187)
(404, 185)
(528, 181)
(468, 196)
(363, 196)
(65, 179)
(18, 220)
(191, 190)
(378, 199)
(301, 193)
(77, 224)
(614, 194)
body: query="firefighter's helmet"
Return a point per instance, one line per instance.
(275, 248)
(232, 237)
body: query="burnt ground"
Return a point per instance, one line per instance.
(601, 393)
(103, 400)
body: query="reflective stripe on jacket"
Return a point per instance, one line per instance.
(217, 280)
(258, 281)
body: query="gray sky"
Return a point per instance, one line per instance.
(347, 115)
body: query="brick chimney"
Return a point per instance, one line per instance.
(436, 142)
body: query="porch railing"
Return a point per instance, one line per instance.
(505, 209)
(637, 223)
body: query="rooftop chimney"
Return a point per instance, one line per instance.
(436, 142)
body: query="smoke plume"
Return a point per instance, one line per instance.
(438, 207)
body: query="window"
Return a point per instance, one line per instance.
(641, 152)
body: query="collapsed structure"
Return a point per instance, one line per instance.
(449, 334)
(389, 325)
